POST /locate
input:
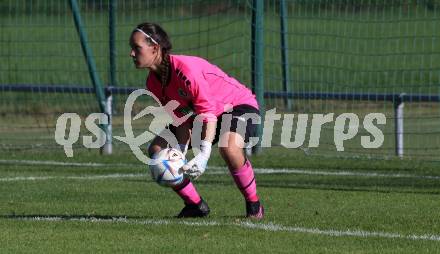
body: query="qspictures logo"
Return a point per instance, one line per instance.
(346, 127)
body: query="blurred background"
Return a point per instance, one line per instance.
(298, 56)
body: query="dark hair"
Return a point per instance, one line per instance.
(158, 34)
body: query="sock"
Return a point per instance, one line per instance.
(245, 180)
(187, 192)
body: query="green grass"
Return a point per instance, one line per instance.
(143, 212)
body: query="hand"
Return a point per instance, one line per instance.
(196, 167)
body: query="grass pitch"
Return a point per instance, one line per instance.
(92, 203)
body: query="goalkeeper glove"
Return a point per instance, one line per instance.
(196, 167)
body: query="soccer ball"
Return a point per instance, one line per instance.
(167, 170)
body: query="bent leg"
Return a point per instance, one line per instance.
(239, 166)
(186, 190)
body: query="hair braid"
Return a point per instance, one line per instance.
(166, 69)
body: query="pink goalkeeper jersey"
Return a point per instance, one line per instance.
(200, 87)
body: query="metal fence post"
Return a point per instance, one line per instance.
(285, 54)
(108, 146)
(93, 73)
(112, 45)
(398, 124)
(258, 61)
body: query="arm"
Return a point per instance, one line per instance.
(208, 131)
(201, 99)
(183, 135)
(196, 167)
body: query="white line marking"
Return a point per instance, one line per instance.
(60, 163)
(338, 173)
(243, 224)
(52, 163)
(215, 170)
(91, 177)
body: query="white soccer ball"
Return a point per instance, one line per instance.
(167, 169)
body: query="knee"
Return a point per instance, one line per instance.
(234, 158)
(225, 151)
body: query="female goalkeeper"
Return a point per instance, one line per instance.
(205, 90)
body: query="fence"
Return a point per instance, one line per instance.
(300, 56)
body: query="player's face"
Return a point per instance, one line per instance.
(144, 55)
